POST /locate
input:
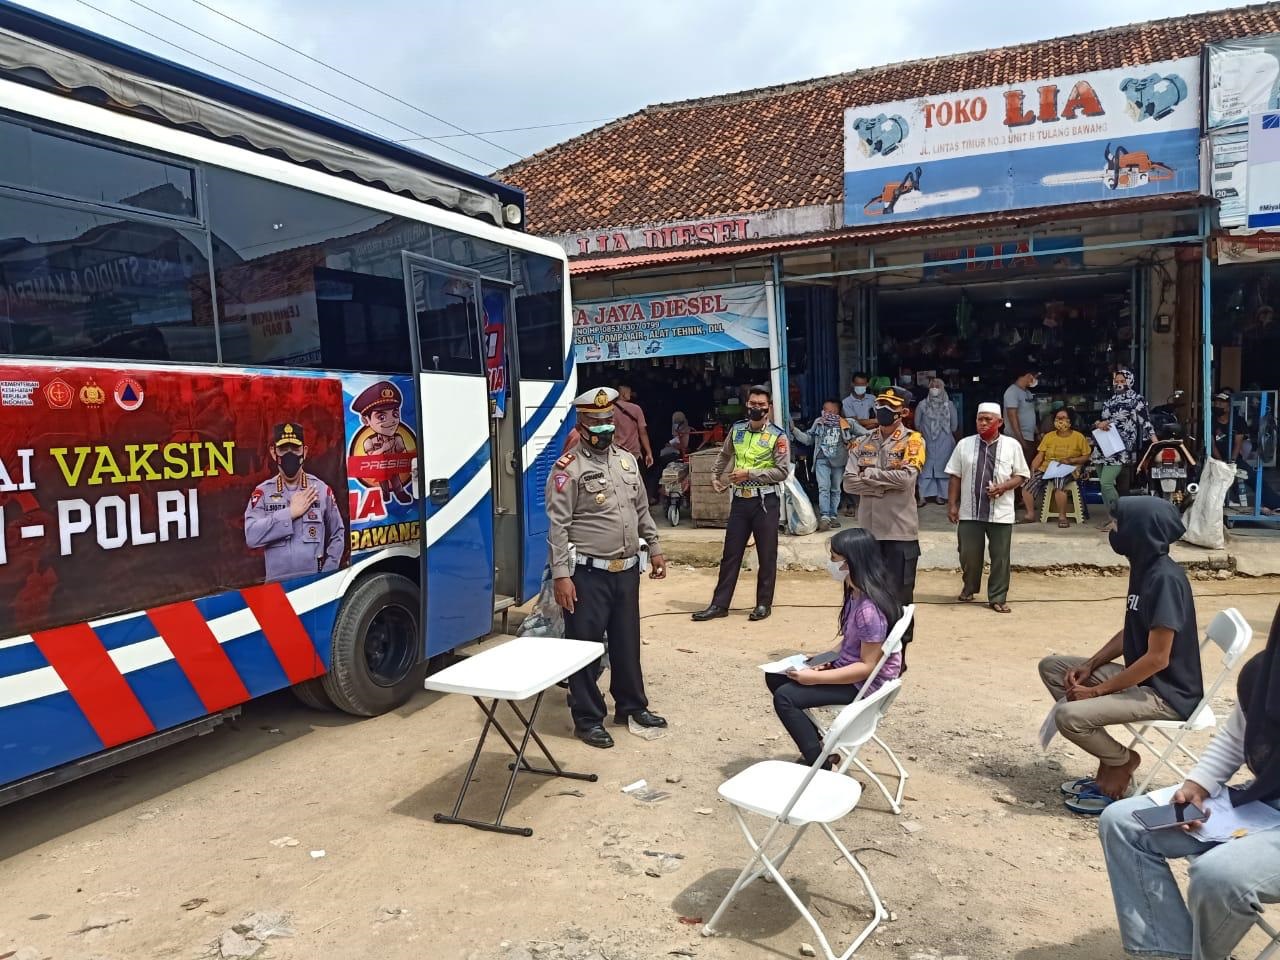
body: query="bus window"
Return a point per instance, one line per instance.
(75, 283)
(448, 323)
(46, 162)
(539, 316)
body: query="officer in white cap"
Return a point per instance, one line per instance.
(598, 510)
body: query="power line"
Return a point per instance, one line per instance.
(538, 126)
(297, 79)
(355, 79)
(221, 66)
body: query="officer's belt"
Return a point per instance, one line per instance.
(748, 492)
(612, 566)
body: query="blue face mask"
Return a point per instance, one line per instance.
(600, 429)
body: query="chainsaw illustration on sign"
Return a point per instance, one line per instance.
(1124, 170)
(905, 196)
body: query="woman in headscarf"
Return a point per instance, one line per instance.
(938, 421)
(1228, 881)
(1125, 411)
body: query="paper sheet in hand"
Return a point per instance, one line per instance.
(1224, 819)
(798, 661)
(1055, 470)
(1109, 442)
(1050, 726)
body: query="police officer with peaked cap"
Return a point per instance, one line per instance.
(598, 510)
(294, 516)
(757, 451)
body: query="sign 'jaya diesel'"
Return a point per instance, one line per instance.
(1090, 137)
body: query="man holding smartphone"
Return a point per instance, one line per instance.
(1160, 677)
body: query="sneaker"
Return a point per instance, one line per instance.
(833, 523)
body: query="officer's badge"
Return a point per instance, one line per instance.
(561, 479)
(602, 399)
(599, 498)
(626, 463)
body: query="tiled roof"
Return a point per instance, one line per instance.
(783, 146)
(1019, 218)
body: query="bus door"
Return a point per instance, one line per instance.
(456, 483)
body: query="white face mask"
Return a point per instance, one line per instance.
(935, 391)
(859, 391)
(837, 570)
(1033, 384)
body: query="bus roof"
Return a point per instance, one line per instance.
(368, 157)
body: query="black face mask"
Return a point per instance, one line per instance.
(600, 441)
(755, 414)
(290, 463)
(885, 416)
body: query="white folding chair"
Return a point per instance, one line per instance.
(1271, 949)
(892, 644)
(797, 796)
(1232, 633)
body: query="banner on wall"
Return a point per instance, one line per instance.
(671, 324)
(1089, 137)
(127, 490)
(495, 350)
(1011, 256)
(1228, 174)
(1263, 196)
(1244, 78)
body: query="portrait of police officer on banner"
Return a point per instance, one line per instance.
(293, 517)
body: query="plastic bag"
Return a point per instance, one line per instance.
(1204, 519)
(801, 519)
(546, 619)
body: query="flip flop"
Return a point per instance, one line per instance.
(1073, 788)
(965, 598)
(1000, 607)
(1064, 524)
(1090, 802)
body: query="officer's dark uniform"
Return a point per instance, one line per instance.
(766, 457)
(598, 506)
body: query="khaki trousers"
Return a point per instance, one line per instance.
(1084, 722)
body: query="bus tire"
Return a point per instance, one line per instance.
(311, 693)
(377, 643)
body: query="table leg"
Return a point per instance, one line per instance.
(491, 720)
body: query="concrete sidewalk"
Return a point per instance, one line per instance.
(1248, 552)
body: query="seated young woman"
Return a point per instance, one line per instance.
(869, 611)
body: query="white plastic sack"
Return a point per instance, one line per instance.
(547, 619)
(1204, 520)
(801, 519)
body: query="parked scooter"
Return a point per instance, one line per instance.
(675, 489)
(1169, 466)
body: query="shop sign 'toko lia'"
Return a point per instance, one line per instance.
(1090, 137)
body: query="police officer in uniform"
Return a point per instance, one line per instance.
(882, 470)
(598, 510)
(294, 516)
(761, 459)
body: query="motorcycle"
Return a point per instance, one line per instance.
(1168, 464)
(675, 488)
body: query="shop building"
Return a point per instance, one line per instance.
(1049, 204)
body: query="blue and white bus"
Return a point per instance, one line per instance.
(278, 401)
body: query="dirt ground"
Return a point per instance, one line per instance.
(162, 856)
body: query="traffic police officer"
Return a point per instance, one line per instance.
(882, 470)
(761, 459)
(598, 511)
(294, 516)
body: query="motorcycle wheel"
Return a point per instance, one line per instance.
(673, 514)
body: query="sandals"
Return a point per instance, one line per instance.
(1000, 607)
(1073, 788)
(1089, 802)
(965, 598)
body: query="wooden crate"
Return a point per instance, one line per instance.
(710, 509)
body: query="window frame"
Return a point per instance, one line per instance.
(432, 265)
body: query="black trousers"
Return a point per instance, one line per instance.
(900, 559)
(607, 602)
(791, 700)
(748, 516)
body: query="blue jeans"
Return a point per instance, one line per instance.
(830, 476)
(1227, 884)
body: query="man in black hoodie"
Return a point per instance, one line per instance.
(1160, 678)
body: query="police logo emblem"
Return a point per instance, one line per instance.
(602, 399)
(599, 498)
(312, 531)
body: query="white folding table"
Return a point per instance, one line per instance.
(516, 670)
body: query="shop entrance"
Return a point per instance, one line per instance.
(1075, 330)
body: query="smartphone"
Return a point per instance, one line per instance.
(821, 659)
(1169, 815)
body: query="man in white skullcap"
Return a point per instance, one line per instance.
(985, 470)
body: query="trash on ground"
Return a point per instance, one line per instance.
(645, 733)
(194, 903)
(633, 787)
(284, 842)
(317, 854)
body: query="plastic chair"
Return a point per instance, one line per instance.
(1075, 503)
(892, 644)
(799, 797)
(1271, 949)
(1232, 633)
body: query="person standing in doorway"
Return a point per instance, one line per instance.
(830, 437)
(597, 514)
(1020, 410)
(761, 459)
(938, 422)
(984, 471)
(882, 470)
(858, 407)
(1125, 411)
(631, 430)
